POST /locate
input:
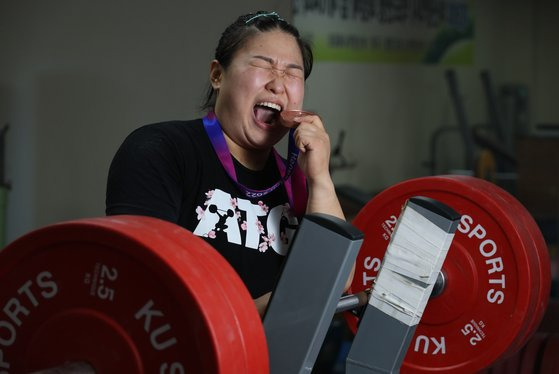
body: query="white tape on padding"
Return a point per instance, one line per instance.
(410, 267)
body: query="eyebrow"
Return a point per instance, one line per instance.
(272, 62)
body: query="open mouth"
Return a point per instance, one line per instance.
(267, 112)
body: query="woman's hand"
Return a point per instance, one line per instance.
(262, 302)
(314, 145)
(314, 159)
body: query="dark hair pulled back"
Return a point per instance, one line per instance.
(246, 26)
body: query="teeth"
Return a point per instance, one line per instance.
(270, 105)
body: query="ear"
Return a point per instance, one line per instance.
(216, 73)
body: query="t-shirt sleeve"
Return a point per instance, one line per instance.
(146, 176)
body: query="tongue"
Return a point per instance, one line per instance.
(264, 114)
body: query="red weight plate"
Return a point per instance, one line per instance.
(531, 354)
(543, 268)
(542, 262)
(489, 271)
(550, 357)
(127, 294)
(535, 310)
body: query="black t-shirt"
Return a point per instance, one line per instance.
(170, 171)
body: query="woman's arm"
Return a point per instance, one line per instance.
(262, 302)
(314, 143)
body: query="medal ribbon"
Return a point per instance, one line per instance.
(293, 178)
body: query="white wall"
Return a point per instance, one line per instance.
(77, 76)
(391, 110)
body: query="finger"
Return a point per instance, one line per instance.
(301, 140)
(308, 138)
(291, 118)
(313, 121)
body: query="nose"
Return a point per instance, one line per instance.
(276, 84)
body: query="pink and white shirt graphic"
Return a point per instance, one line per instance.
(223, 215)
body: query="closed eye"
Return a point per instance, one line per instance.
(291, 70)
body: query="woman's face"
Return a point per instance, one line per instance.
(265, 77)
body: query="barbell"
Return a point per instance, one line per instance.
(497, 273)
(137, 294)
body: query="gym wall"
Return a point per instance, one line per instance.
(76, 77)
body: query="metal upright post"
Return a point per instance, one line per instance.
(308, 292)
(422, 238)
(463, 125)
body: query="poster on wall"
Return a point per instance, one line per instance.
(388, 31)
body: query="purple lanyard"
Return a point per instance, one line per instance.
(297, 201)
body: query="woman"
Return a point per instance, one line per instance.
(218, 176)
